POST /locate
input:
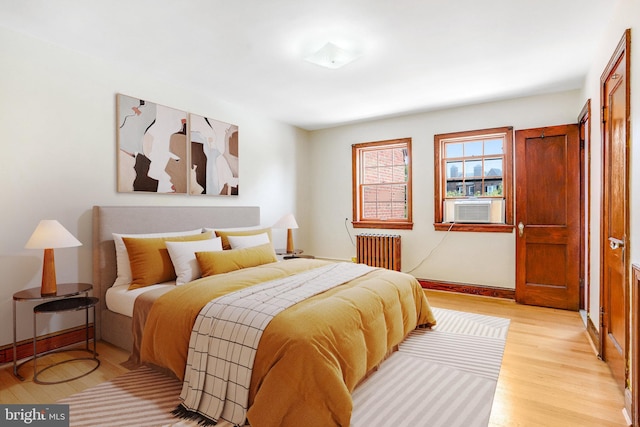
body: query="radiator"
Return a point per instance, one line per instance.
(378, 250)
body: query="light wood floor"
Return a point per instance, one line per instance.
(550, 374)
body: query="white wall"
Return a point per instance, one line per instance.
(475, 258)
(57, 115)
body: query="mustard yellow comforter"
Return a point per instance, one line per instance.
(312, 355)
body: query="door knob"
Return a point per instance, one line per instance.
(615, 243)
(520, 229)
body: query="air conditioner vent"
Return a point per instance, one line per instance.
(472, 211)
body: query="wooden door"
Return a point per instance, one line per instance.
(615, 213)
(548, 217)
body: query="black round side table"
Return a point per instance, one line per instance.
(57, 306)
(65, 290)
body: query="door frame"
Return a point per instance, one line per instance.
(623, 48)
(584, 122)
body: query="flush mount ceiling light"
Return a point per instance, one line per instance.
(332, 56)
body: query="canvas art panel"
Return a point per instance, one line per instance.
(214, 156)
(152, 147)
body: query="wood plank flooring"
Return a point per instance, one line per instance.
(12, 390)
(550, 373)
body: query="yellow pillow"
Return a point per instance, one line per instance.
(150, 261)
(224, 233)
(234, 259)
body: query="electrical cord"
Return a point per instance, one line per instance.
(431, 251)
(346, 220)
(348, 232)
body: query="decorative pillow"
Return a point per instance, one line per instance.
(150, 261)
(248, 231)
(241, 242)
(183, 257)
(123, 267)
(235, 259)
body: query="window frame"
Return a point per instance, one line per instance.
(357, 194)
(440, 186)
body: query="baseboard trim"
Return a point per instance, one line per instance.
(45, 343)
(463, 288)
(594, 336)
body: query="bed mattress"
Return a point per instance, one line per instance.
(121, 300)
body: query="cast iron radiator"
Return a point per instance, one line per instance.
(378, 250)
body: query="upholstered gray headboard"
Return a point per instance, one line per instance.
(152, 219)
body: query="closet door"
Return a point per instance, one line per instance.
(548, 216)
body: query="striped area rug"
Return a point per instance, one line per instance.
(441, 377)
(453, 371)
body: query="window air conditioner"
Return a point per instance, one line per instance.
(472, 211)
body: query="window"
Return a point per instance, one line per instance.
(382, 184)
(473, 180)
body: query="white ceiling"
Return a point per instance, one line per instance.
(417, 55)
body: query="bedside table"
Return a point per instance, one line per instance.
(290, 254)
(65, 290)
(294, 256)
(297, 253)
(58, 306)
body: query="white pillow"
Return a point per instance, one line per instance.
(247, 228)
(183, 257)
(241, 242)
(123, 267)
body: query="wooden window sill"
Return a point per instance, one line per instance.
(382, 225)
(480, 228)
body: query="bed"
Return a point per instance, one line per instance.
(311, 354)
(114, 327)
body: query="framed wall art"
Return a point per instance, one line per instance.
(152, 147)
(214, 157)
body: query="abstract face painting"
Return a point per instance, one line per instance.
(214, 156)
(152, 147)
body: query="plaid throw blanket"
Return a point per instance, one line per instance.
(225, 337)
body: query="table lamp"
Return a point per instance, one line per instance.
(48, 235)
(289, 222)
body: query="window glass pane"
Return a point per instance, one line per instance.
(369, 194)
(370, 176)
(399, 174)
(369, 159)
(469, 188)
(398, 211)
(493, 187)
(473, 168)
(384, 193)
(385, 157)
(398, 156)
(453, 149)
(493, 167)
(384, 210)
(454, 169)
(493, 146)
(385, 174)
(399, 193)
(473, 148)
(454, 189)
(369, 211)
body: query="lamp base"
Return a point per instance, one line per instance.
(289, 241)
(49, 286)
